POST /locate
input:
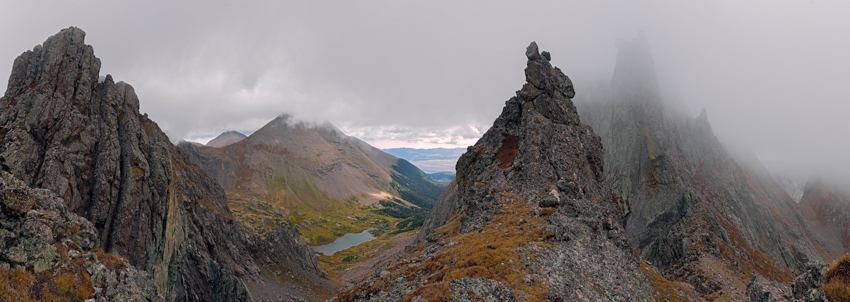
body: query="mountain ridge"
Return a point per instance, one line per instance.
(63, 130)
(690, 206)
(310, 172)
(530, 219)
(226, 138)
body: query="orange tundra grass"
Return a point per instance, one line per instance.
(490, 253)
(837, 280)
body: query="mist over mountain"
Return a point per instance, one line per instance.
(687, 200)
(696, 152)
(533, 179)
(65, 132)
(315, 176)
(226, 138)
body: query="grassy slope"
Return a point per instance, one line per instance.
(414, 185)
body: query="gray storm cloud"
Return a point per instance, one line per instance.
(770, 75)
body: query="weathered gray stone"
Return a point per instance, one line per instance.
(63, 130)
(482, 288)
(685, 198)
(34, 239)
(537, 153)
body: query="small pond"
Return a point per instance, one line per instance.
(344, 242)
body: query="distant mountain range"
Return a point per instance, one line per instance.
(430, 160)
(443, 176)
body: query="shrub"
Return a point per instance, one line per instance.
(837, 280)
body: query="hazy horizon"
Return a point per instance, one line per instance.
(770, 75)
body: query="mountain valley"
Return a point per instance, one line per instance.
(611, 192)
(321, 182)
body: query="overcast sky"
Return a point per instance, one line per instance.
(772, 75)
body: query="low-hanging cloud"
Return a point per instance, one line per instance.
(770, 75)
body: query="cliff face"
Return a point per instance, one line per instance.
(530, 219)
(693, 211)
(62, 130)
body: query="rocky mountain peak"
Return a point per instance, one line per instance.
(678, 185)
(533, 179)
(84, 140)
(537, 139)
(546, 89)
(226, 138)
(634, 75)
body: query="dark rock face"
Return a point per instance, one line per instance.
(43, 237)
(537, 148)
(808, 285)
(690, 207)
(530, 191)
(62, 130)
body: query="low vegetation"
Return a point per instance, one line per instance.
(837, 280)
(70, 282)
(320, 219)
(666, 290)
(494, 252)
(338, 263)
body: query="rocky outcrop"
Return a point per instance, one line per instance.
(40, 237)
(226, 138)
(63, 130)
(532, 221)
(807, 287)
(696, 213)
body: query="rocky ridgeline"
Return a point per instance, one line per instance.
(530, 219)
(697, 214)
(63, 130)
(49, 251)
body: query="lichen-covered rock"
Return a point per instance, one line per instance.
(466, 289)
(808, 286)
(53, 242)
(85, 140)
(15, 203)
(761, 289)
(530, 220)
